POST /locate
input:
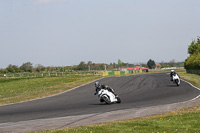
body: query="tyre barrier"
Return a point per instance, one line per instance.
(121, 73)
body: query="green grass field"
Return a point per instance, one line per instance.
(186, 120)
(14, 90)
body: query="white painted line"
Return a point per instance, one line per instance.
(191, 84)
(193, 87)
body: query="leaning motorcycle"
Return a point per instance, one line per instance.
(176, 79)
(108, 97)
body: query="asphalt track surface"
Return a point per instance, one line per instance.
(135, 91)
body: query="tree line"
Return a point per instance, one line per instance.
(172, 63)
(25, 67)
(192, 63)
(83, 66)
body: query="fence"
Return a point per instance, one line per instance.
(55, 74)
(49, 74)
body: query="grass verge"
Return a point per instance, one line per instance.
(183, 121)
(186, 120)
(13, 90)
(192, 78)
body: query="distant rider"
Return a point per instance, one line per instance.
(173, 73)
(99, 87)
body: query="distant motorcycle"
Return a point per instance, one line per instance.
(108, 97)
(176, 79)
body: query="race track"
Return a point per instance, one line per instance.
(136, 91)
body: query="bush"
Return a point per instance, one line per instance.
(192, 63)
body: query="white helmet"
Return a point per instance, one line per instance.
(172, 70)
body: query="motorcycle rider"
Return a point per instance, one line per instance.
(99, 87)
(173, 73)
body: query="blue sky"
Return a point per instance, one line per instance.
(66, 32)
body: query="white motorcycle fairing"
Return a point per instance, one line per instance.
(108, 97)
(176, 79)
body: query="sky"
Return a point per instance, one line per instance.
(66, 32)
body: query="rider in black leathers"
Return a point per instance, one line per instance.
(99, 87)
(173, 73)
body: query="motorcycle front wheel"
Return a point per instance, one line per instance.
(106, 99)
(177, 82)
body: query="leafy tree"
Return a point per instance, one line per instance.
(119, 63)
(43, 69)
(82, 66)
(62, 69)
(39, 67)
(26, 67)
(192, 47)
(143, 65)
(151, 64)
(12, 68)
(16, 68)
(192, 63)
(3, 71)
